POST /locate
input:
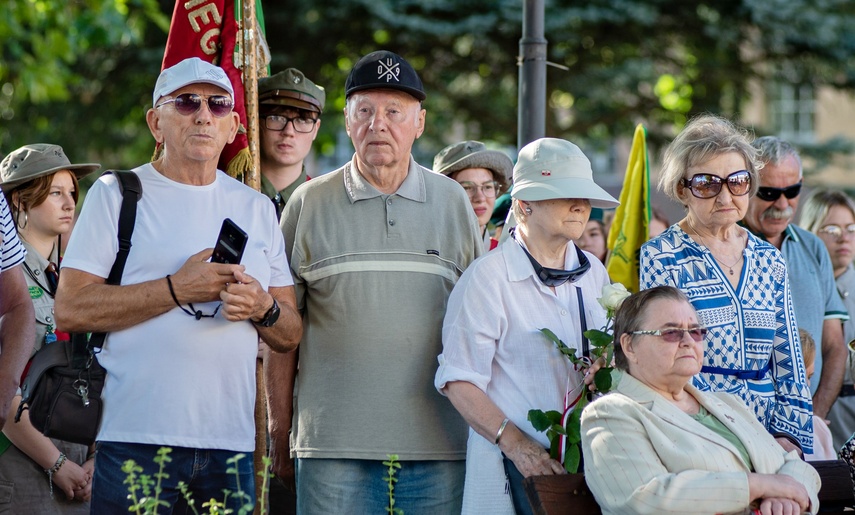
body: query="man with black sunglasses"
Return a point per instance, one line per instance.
(177, 377)
(819, 309)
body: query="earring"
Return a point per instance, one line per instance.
(528, 210)
(22, 226)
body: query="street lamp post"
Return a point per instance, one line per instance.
(531, 121)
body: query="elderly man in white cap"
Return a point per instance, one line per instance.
(495, 364)
(183, 331)
(375, 248)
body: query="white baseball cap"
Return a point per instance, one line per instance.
(551, 168)
(190, 71)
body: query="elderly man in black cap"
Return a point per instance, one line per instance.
(290, 107)
(375, 249)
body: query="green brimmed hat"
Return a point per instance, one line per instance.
(32, 161)
(291, 88)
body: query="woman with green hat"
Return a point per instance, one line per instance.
(482, 173)
(42, 475)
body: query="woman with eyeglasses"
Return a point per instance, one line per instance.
(657, 444)
(496, 365)
(831, 216)
(39, 474)
(737, 282)
(482, 173)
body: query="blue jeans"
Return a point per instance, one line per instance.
(205, 471)
(327, 486)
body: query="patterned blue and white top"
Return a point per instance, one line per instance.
(750, 328)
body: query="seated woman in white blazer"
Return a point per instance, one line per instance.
(658, 445)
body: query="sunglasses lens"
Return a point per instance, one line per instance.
(738, 183)
(793, 191)
(698, 334)
(704, 185)
(672, 335)
(219, 105)
(187, 103)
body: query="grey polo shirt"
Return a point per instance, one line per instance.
(372, 275)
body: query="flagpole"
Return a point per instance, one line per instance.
(249, 52)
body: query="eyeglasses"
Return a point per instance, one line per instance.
(772, 194)
(301, 124)
(676, 335)
(489, 189)
(707, 185)
(835, 231)
(189, 103)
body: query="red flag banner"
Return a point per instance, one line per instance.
(208, 29)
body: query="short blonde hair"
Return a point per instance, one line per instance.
(819, 203)
(703, 138)
(808, 347)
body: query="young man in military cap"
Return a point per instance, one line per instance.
(372, 281)
(289, 108)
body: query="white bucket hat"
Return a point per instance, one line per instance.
(551, 168)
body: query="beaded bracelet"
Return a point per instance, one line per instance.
(53, 470)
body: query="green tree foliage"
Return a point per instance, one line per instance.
(75, 72)
(79, 73)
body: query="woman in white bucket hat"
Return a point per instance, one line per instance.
(496, 365)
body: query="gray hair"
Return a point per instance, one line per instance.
(819, 203)
(703, 138)
(771, 149)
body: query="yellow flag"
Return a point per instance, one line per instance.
(629, 228)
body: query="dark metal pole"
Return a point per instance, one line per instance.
(531, 122)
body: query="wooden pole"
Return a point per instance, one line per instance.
(249, 51)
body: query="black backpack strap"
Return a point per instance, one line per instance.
(131, 188)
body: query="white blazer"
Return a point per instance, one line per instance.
(643, 455)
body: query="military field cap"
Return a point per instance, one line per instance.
(551, 168)
(472, 154)
(384, 70)
(32, 161)
(291, 88)
(190, 71)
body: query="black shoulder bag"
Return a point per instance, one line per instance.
(62, 389)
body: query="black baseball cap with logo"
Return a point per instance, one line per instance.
(384, 70)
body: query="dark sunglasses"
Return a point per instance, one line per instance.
(676, 335)
(772, 194)
(554, 277)
(188, 103)
(707, 185)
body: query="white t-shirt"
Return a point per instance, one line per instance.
(174, 380)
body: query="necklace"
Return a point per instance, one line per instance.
(704, 242)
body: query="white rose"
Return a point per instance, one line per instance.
(613, 295)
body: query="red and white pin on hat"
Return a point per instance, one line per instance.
(545, 173)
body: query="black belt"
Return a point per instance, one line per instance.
(847, 391)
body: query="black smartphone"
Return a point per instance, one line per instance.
(230, 244)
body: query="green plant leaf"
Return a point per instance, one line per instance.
(542, 421)
(599, 338)
(572, 458)
(603, 379)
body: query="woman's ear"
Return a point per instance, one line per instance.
(626, 346)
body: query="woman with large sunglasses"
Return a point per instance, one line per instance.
(737, 283)
(659, 445)
(42, 475)
(831, 216)
(495, 364)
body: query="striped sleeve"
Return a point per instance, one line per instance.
(13, 251)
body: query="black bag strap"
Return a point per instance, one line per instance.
(131, 188)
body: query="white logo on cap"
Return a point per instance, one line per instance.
(215, 74)
(390, 70)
